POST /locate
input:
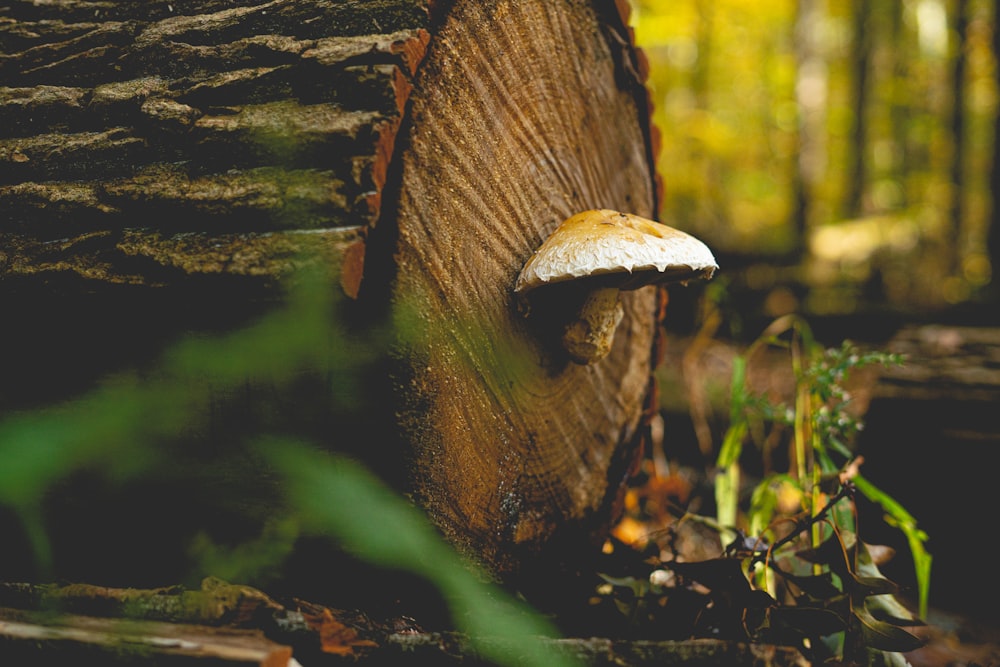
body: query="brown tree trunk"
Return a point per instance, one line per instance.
(165, 140)
(810, 74)
(856, 170)
(420, 152)
(993, 235)
(956, 209)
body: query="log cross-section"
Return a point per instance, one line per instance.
(418, 150)
(524, 114)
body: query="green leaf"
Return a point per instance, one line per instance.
(888, 608)
(789, 625)
(884, 636)
(915, 537)
(817, 586)
(833, 553)
(737, 390)
(339, 498)
(867, 586)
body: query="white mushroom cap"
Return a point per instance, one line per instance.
(614, 244)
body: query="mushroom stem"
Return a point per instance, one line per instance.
(588, 338)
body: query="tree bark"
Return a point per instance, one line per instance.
(810, 75)
(210, 149)
(35, 638)
(146, 142)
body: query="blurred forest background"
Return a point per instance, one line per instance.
(840, 158)
(836, 154)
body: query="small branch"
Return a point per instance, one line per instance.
(37, 637)
(801, 525)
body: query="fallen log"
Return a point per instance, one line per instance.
(932, 441)
(169, 166)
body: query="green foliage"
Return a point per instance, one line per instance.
(125, 426)
(134, 426)
(896, 515)
(814, 497)
(856, 137)
(338, 497)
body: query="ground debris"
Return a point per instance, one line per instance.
(227, 624)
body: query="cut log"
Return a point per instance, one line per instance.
(522, 116)
(207, 150)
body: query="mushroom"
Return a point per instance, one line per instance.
(600, 253)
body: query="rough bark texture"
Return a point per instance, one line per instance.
(218, 623)
(210, 148)
(144, 142)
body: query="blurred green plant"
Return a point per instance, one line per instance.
(339, 497)
(127, 426)
(120, 427)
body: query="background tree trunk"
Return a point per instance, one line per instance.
(194, 154)
(857, 162)
(993, 235)
(810, 78)
(956, 210)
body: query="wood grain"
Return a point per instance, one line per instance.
(518, 121)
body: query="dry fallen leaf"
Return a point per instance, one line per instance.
(334, 636)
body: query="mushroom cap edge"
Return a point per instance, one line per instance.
(628, 249)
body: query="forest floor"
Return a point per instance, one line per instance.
(956, 634)
(674, 485)
(954, 637)
(954, 640)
